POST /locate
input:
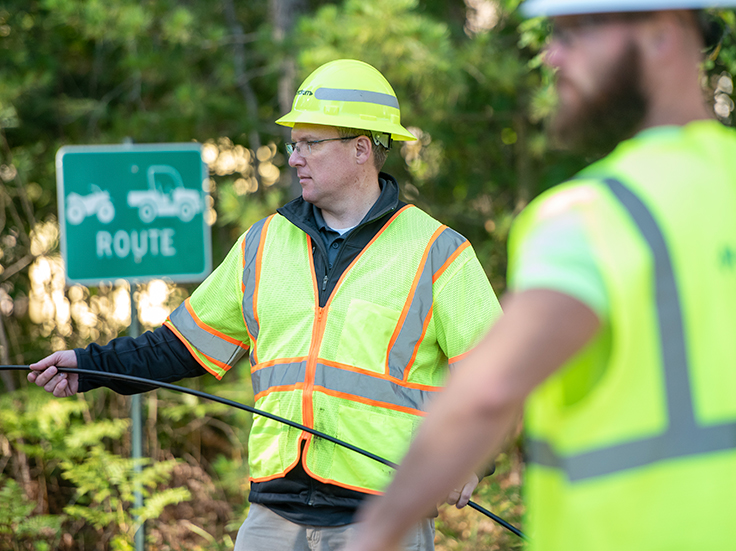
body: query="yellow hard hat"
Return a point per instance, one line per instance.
(350, 94)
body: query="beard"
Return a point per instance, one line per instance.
(613, 113)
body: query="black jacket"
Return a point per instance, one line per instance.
(159, 355)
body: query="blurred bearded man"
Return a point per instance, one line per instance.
(598, 113)
(618, 334)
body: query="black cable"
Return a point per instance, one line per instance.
(238, 405)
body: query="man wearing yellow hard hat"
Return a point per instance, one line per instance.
(349, 305)
(621, 325)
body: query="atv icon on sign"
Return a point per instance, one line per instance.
(166, 196)
(79, 207)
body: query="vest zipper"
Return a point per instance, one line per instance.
(317, 334)
(307, 393)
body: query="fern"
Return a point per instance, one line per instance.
(15, 522)
(106, 485)
(48, 525)
(89, 435)
(156, 503)
(14, 506)
(54, 435)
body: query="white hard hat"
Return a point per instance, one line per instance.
(534, 8)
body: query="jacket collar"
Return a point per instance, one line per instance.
(302, 214)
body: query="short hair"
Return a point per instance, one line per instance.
(713, 30)
(380, 153)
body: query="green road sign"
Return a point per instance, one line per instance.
(134, 212)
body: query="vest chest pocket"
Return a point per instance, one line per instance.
(366, 335)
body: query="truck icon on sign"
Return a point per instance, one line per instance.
(166, 196)
(97, 203)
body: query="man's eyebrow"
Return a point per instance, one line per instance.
(305, 138)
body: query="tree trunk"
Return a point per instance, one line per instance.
(7, 377)
(525, 185)
(242, 81)
(284, 14)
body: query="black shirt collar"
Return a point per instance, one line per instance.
(304, 215)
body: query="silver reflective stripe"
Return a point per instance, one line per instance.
(250, 253)
(213, 346)
(372, 388)
(638, 453)
(366, 96)
(349, 383)
(421, 302)
(286, 374)
(683, 436)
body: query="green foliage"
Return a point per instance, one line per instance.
(55, 434)
(413, 52)
(106, 486)
(38, 426)
(81, 437)
(16, 523)
(191, 406)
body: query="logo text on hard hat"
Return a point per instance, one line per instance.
(304, 93)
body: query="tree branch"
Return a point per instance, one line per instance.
(5, 357)
(242, 80)
(283, 17)
(16, 216)
(25, 202)
(17, 267)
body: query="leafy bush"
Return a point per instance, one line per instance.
(54, 440)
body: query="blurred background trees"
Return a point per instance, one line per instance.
(471, 86)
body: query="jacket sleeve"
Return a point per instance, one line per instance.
(158, 355)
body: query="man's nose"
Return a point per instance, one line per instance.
(295, 159)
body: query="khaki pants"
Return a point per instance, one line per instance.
(264, 530)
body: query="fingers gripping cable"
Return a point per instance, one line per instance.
(238, 405)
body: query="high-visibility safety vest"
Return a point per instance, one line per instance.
(632, 445)
(362, 367)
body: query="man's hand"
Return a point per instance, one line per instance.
(460, 498)
(45, 374)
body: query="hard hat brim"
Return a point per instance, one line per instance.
(553, 8)
(398, 132)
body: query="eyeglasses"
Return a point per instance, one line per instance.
(584, 25)
(304, 148)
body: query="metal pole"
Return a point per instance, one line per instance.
(137, 428)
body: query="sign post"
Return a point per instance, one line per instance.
(133, 212)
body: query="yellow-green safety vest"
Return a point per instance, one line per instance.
(362, 367)
(632, 445)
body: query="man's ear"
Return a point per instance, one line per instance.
(363, 149)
